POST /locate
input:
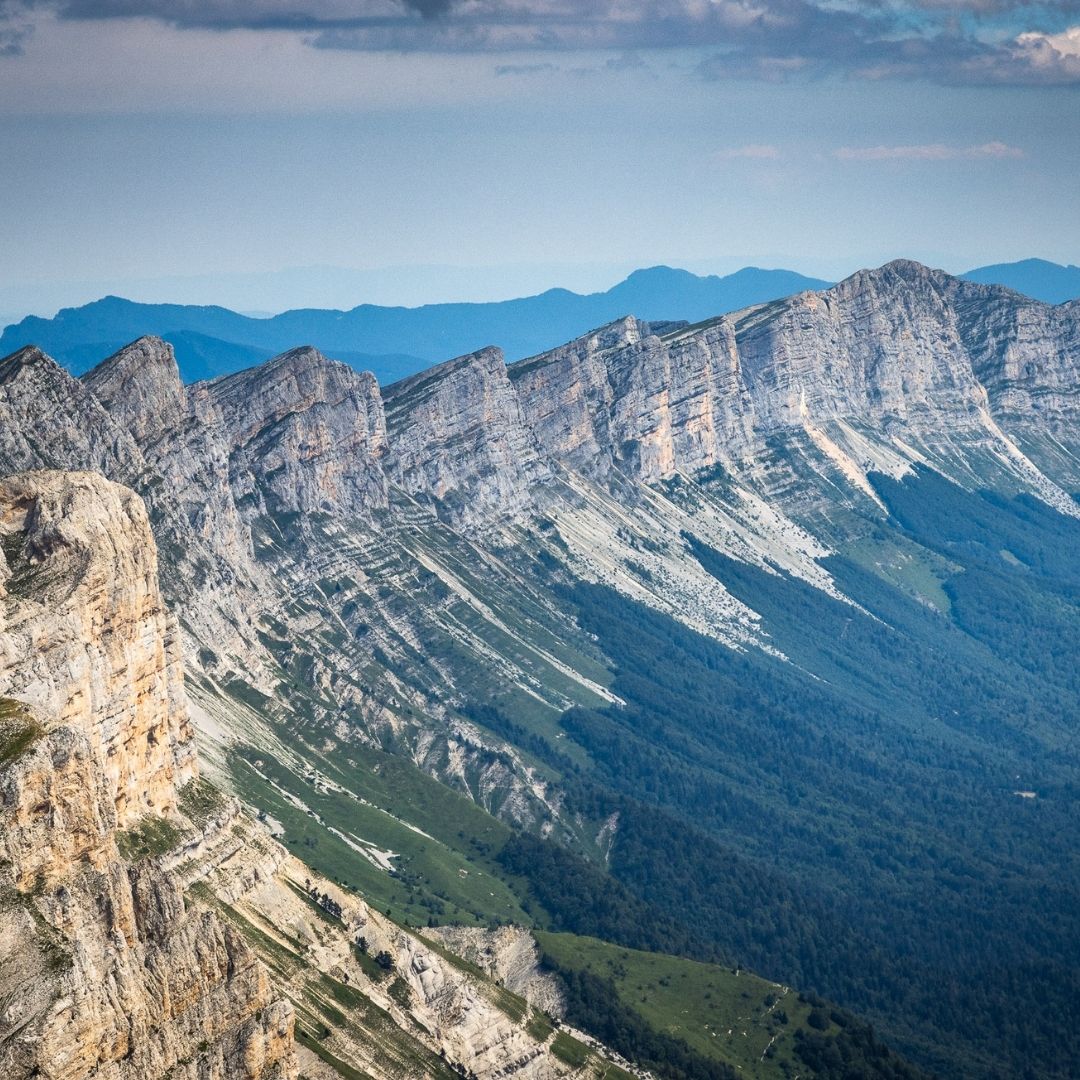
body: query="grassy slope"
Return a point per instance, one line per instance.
(451, 880)
(727, 1017)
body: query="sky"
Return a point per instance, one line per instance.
(267, 154)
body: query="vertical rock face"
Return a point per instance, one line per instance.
(141, 390)
(680, 406)
(49, 420)
(105, 972)
(186, 473)
(303, 432)
(566, 394)
(85, 638)
(1024, 353)
(900, 348)
(882, 345)
(298, 433)
(652, 406)
(457, 435)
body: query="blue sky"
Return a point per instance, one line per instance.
(265, 153)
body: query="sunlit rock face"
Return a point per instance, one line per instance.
(106, 971)
(457, 435)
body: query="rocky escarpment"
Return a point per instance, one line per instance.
(1024, 353)
(299, 433)
(48, 420)
(623, 397)
(105, 970)
(87, 641)
(304, 434)
(251, 481)
(908, 354)
(566, 394)
(458, 437)
(185, 475)
(882, 345)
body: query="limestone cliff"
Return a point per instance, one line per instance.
(882, 345)
(458, 436)
(909, 356)
(304, 433)
(566, 394)
(105, 970)
(299, 433)
(49, 420)
(1024, 353)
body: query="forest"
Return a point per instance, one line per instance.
(856, 832)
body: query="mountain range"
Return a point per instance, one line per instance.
(394, 342)
(537, 704)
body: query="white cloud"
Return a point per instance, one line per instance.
(929, 152)
(1055, 57)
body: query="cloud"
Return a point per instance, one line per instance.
(958, 42)
(15, 27)
(1050, 57)
(626, 61)
(750, 152)
(929, 152)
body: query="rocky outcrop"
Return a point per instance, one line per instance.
(566, 394)
(49, 420)
(185, 477)
(458, 437)
(652, 406)
(304, 433)
(881, 346)
(299, 433)
(85, 639)
(511, 957)
(106, 971)
(141, 390)
(1025, 353)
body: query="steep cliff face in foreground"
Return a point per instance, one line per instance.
(141, 913)
(105, 970)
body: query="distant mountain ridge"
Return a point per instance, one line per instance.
(393, 342)
(1041, 280)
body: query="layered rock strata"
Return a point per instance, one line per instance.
(106, 971)
(458, 438)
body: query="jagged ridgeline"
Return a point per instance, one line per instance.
(687, 650)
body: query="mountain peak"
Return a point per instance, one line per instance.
(302, 364)
(908, 268)
(488, 358)
(27, 357)
(661, 272)
(140, 386)
(145, 353)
